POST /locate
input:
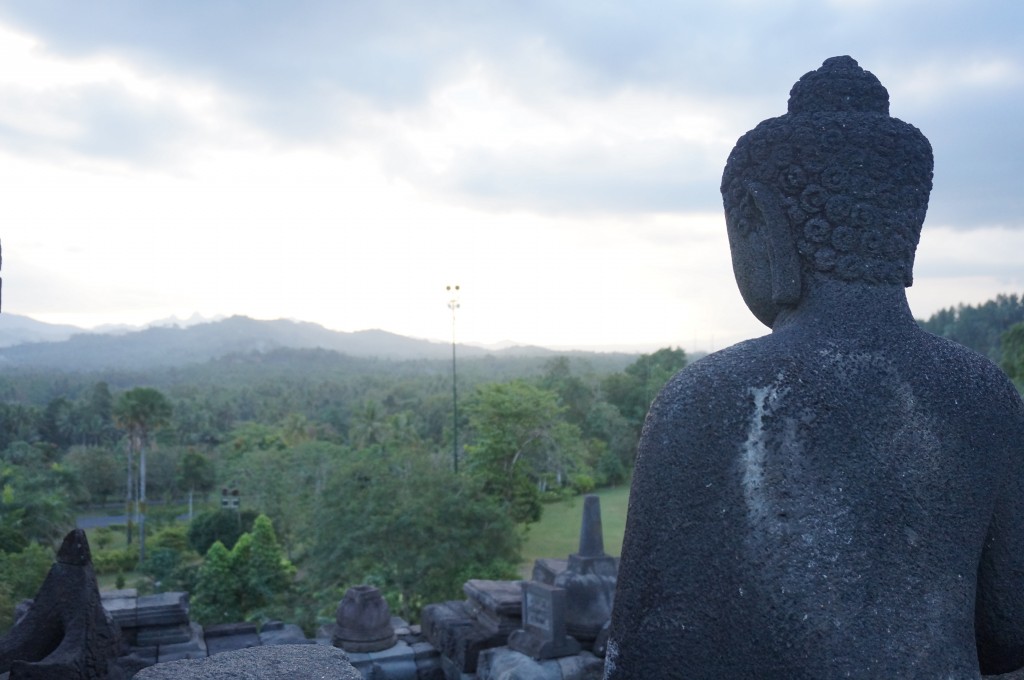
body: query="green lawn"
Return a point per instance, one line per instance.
(558, 532)
(113, 538)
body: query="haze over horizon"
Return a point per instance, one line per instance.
(197, 319)
(342, 163)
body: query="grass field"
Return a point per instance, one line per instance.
(558, 532)
(113, 537)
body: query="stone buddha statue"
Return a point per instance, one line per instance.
(843, 497)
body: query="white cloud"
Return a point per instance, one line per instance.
(954, 77)
(101, 106)
(343, 163)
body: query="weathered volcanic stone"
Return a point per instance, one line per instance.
(121, 605)
(547, 569)
(164, 635)
(502, 663)
(455, 632)
(193, 648)
(843, 497)
(66, 635)
(230, 637)
(275, 662)
(280, 633)
(589, 578)
(543, 633)
(496, 605)
(162, 609)
(363, 621)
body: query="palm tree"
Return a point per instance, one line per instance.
(140, 412)
(369, 426)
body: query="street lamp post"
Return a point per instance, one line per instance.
(453, 304)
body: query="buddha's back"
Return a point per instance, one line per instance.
(831, 525)
(842, 497)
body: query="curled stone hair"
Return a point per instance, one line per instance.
(852, 181)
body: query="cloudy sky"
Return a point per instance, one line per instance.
(342, 162)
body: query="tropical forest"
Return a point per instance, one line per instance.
(267, 480)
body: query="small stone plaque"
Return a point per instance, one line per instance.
(538, 609)
(543, 633)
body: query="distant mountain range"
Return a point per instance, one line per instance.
(26, 343)
(17, 330)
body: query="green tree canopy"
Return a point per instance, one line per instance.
(18, 423)
(978, 326)
(220, 525)
(21, 574)
(260, 564)
(36, 494)
(284, 482)
(409, 526)
(98, 416)
(216, 598)
(519, 443)
(245, 583)
(140, 412)
(195, 472)
(99, 469)
(1012, 343)
(633, 390)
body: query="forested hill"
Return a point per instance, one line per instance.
(165, 347)
(17, 330)
(978, 327)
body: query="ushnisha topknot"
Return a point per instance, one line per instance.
(852, 181)
(839, 85)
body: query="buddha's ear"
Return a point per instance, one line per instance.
(782, 255)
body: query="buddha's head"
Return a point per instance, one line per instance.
(835, 188)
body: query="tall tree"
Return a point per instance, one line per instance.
(264, 571)
(408, 525)
(216, 598)
(140, 412)
(368, 428)
(97, 469)
(285, 483)
(245, 582)
(59, 426)
(18, 422)
(195, 473)
(978, 327)
(98, 416)
(633, 390)
(37, 493)
(519, 441)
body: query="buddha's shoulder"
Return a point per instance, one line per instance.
(741, 365)
(719, 381)
(929, 365)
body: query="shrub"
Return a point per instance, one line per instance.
(114, 561)
(103, 537)
(582, 483)
(161, 563)
(172, 537)
(21, 574)
(218, 525)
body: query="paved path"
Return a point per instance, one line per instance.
(84, 522)
(94, 522)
